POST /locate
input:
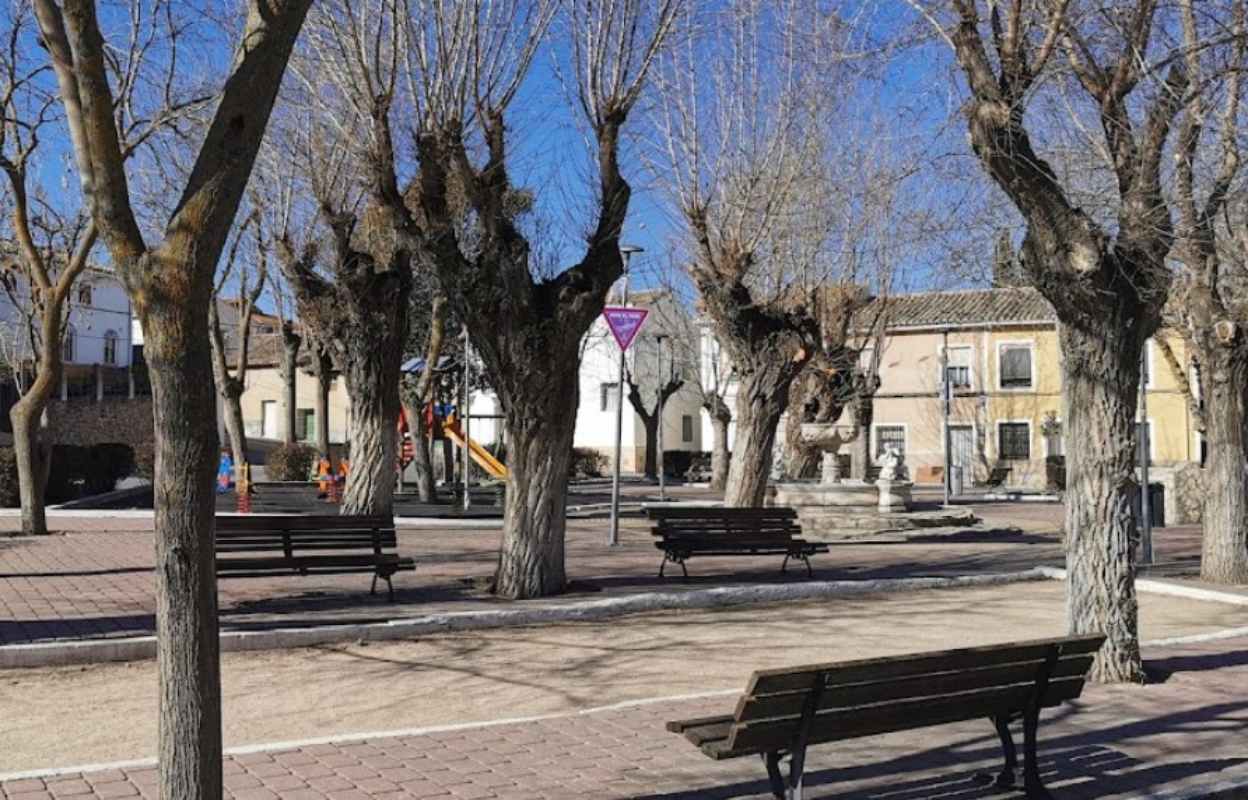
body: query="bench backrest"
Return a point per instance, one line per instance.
(734, 522)
(881, 695)
(258, 534)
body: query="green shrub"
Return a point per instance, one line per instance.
(9, 497)
(83, 471)
(67, 473)
(107, 464)
(290, 462)
(587, 463)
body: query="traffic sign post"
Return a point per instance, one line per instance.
(624, 324)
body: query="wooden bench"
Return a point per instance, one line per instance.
(997, 476)
(784, 711)
(686, 532)
(265, 545)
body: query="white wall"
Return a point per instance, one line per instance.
(108, 312)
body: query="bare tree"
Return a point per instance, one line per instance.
(1102, 266)
(250, 283)
(52, 238)
(1209, 307)
(355, 295)
(420, 392)
(518, 319)
(170, 284)
(648, 405)
(744, 136)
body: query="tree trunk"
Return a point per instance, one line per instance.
(34, 457)
(422, 461)
(720, 456)
(372, 375)
(863, 409)
(1101, 375)
(177, 352)
(762, 396)
(651, 425)
(234, 428)
(539, 452)
(1224, 547)
(291, 342)
(324, 382)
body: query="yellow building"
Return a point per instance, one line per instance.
(1005, 365)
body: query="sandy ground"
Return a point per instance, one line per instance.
(72, 716)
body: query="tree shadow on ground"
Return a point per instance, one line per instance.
(36, 631)
(1081, 772)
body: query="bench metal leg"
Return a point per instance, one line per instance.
(1033, 786)
(667, 556)
(1006, 778)
(778, 788)
(389, 585)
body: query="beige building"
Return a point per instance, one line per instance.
(1004, 365)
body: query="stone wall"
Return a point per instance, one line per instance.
(86, 422)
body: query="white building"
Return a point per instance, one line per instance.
(662, 349)
(99, 323)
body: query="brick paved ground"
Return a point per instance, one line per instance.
(1115, 742)
(96, 579)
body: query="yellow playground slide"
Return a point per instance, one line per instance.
(478, 453)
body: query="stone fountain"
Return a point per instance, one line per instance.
(837, 508)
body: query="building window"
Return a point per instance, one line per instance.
(1014, 441)
(893, 436)
(69, 344)
(608, 393)
(959, 366)
(1015, 366)
(305, 424)
(110, 347)
(686, 428)
(84, 295)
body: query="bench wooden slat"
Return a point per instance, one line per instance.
(266, 545)
(769, 681)
(852, 723)
(790, 704)
(301, 522)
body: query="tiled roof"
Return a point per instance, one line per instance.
(972, 307)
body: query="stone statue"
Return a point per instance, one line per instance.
(892, 465)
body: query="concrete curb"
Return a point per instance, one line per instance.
(1154, 586)
(144, 647)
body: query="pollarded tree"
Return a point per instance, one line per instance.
(170, 283)
(527, 328)
(746, 154)
(354, 293)
(1210, 308)
(1101, 265)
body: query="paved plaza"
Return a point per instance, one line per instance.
(436, 716)
(95, 580)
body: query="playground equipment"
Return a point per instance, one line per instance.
(476, 452)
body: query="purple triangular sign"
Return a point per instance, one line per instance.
(624, 323)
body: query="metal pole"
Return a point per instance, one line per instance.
(613, 536)
(466, 416)
(662, 483)
(1146, 509)
(945, 399)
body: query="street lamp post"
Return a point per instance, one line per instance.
(613, 538)
(662, 481)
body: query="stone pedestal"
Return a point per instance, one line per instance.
(894, 495)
